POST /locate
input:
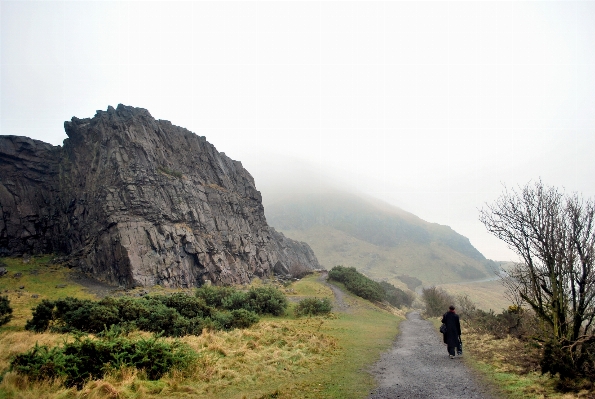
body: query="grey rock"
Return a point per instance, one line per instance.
(3, 271)
(135, 201)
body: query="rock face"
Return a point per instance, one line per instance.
(138, 201)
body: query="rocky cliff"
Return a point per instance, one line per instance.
(138, 201)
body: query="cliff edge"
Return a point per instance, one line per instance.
(138, 201)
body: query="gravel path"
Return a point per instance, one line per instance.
(418, 366)
(340, 304)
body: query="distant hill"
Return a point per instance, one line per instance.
(383, 241)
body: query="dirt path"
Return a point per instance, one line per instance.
(418, 366)
(340, 304)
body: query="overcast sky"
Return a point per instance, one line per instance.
(431, 106)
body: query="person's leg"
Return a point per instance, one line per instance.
(451, 350)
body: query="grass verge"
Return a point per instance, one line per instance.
(510, 366)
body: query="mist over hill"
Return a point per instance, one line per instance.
(381, 240)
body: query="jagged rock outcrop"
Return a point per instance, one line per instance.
(138, 201)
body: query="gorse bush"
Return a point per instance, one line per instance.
(214, 295)
(85, 359)
(357, 283)
(175, 315)
(267, 300)
(369, 289)
(260, 300)
(313, 307)
(5, 310)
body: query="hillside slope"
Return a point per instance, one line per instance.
(383, 241)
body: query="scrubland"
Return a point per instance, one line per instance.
(279, 357)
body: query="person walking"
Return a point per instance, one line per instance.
(452, 336)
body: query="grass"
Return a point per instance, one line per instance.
(170, 172)
(486, 295)
(510, 366)
(287, 357)
(40, 280)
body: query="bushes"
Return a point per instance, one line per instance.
(313, 307)
(396, 296)
(369, 289)
(5, 310)
(357, 283)
(260, 300)
(220, 308)
(86, 359)
(437, 301)
(174, 315)
(267, 300)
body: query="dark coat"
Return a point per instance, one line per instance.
(453, 328)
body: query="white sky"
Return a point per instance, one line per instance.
(431, 106)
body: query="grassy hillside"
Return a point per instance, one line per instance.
(280, 357)
(485, 294)
(380, 240)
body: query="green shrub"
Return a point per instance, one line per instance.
(235, 300)
(222, 320)
(238, 318)
(357, 283)
(242, 318)
(187, 306)
(396, 296)
(175, 315)
(5, 310)
(214, 295)
(266, 300)
(43, 315)
(313, 307)
(84, 359)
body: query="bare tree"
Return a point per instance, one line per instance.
(554, 236)
(436, 301)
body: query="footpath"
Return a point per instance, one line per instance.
(418, 366)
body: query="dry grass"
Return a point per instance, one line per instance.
(39, 280)
(486, 295)
(318, 357)
(512, 366)
(15, 342)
